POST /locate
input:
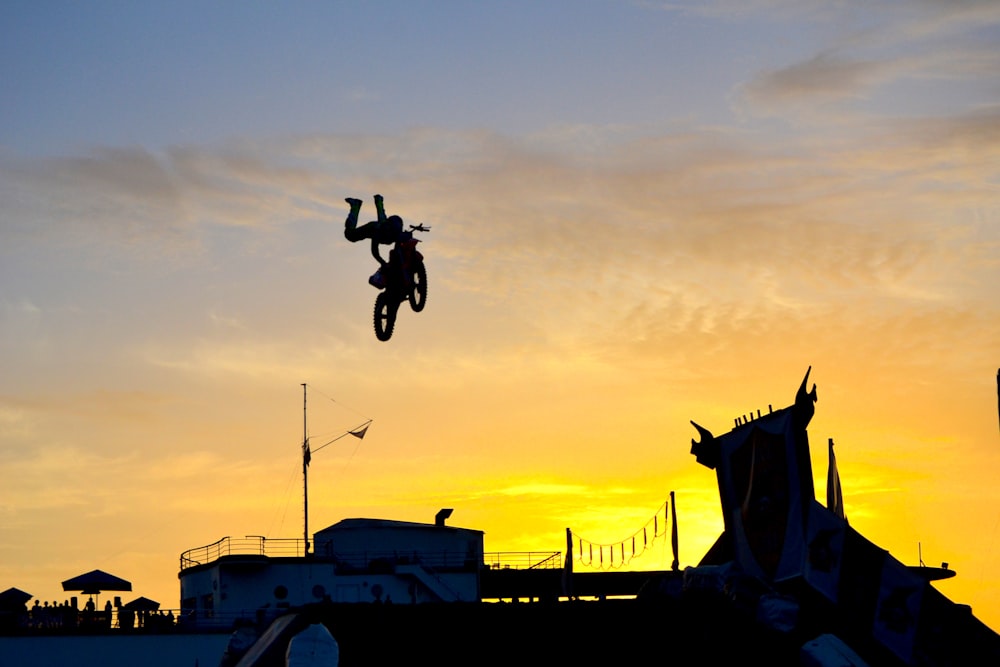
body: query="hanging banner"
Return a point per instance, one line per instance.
(762, 496)
(898, 608)
(824, 550)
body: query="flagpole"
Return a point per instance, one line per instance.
(307, 453)
(305, 474)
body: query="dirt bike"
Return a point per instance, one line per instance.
(402, 278)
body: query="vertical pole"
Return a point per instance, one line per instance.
(568, 566)
(305, 474)
(673, 532)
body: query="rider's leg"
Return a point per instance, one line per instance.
(365, 231)
(380, 208)
(351, 223)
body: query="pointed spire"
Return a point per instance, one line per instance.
(706, 452)
(804, 401)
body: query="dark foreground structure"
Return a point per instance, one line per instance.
(613, 632)
(789, 582)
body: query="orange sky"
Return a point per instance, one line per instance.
(690, 219)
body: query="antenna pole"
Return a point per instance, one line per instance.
(305, 473)
(673, 532)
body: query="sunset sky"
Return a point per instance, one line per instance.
(642, 213)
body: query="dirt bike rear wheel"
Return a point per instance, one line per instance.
(385, 315)
(418, 289)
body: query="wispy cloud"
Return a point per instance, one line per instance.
(824, 78)
(671, 234)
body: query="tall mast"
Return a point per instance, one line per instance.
(305, 473)
(358, 432)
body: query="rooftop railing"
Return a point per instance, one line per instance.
(251, 545)
(257, 545)
(523, 560)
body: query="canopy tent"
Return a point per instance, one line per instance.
(14, 598)
(95, 581)
(142, 604)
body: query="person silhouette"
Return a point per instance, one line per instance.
(384, 230)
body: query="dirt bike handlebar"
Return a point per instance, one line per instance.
(419, 228)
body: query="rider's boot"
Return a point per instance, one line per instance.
(351, 223)
(379, 207)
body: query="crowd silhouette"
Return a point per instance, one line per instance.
(68, 616)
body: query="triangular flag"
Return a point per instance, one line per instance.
(834, 494)
(306, 454)
(360, 433)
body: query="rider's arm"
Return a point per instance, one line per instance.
(380, 209)
(375, 252)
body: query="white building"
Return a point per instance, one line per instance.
(355, 560)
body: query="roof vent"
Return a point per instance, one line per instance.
(442, 516)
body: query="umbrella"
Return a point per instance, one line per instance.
(95, 581)
(142, 604)
(14, 598)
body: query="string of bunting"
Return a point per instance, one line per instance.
(616, 555)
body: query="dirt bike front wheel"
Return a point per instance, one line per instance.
(418, 290)
(385, 315)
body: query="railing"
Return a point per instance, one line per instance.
(251, 545)
(257, 545)
(523, 560)
(64, 619)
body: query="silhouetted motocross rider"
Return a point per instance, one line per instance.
(384, 230)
